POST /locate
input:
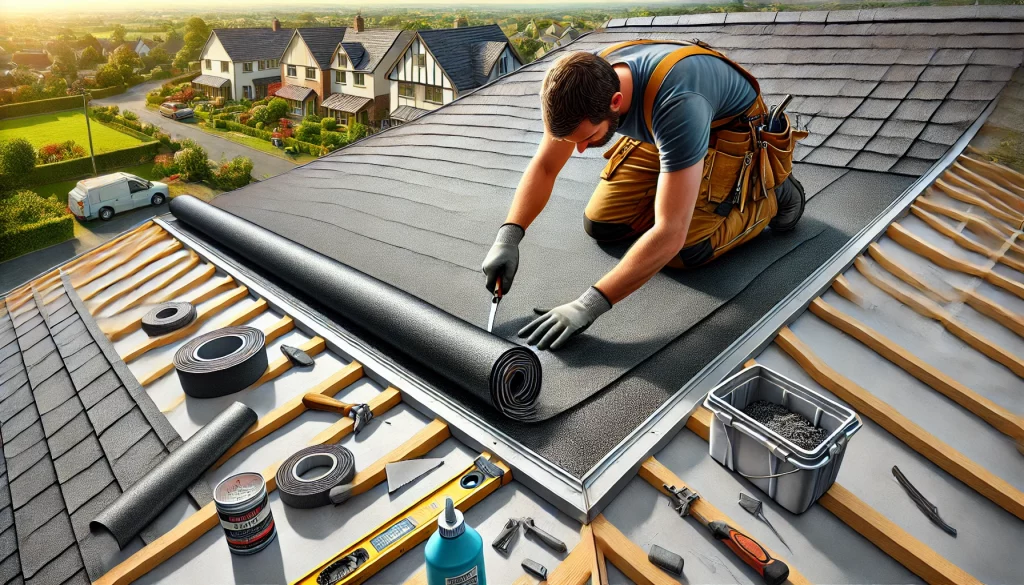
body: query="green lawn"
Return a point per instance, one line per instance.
(60, 190)
(62, 126)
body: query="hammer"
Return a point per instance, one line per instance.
(360, 413)
(772, 570)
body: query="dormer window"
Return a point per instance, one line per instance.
(342, 60)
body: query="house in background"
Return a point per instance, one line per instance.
(305, 68)
(172, 46)
(239, 63)
(33, 60)
(360, 89)
(440, 65)
(142, 47)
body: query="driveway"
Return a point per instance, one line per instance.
(135, 100)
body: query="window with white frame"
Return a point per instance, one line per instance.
(342, 60)
(359, 79)
(296, 106)
(207, 64)
(406, 89)
(433, 94)
(223, 66)
(502, 66)
(310, 73)
(339, 77)
(291, 71)
(247, 67)
(247, 92)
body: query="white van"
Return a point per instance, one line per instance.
(104, 196)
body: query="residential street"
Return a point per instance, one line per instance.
(135, 100)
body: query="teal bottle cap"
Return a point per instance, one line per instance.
(451, 524)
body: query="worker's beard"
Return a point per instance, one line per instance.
(613, 125)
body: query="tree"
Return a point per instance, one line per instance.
(196, 33)
(65, 64)
(89, 58)
(118, 34)
(159, 55)
(17, 159)
(87, 41)
(124, 61)
(193, 163)
(276, 109)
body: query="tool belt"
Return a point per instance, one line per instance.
(744, 161)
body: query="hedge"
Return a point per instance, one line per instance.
(40, 106)
(115, 159)
(247, 130)
(304, 147)
(105, 92)
(126, 130)
(182, 78)
(27, 238)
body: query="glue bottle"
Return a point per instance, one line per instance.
(455, 553)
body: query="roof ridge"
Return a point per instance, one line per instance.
(1005, 12)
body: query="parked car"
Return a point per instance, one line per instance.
(104, 196)
(176, 110)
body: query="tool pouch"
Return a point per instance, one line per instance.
(617, 154)
(776, 156)
(725, 167)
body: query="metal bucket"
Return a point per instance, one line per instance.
(794, 477)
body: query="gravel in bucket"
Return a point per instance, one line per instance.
(789, 425)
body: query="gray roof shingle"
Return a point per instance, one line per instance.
(462, 52)
(366, 49)
(321, 42)
(253, 44)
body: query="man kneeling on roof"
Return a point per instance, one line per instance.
(695, 173)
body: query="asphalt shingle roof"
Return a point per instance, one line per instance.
(321, 42)
(253, 44)
(344, 102)
(367, 48)
(459, 51)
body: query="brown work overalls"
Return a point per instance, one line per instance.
(741, 169)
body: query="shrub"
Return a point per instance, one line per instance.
(43, 106)
(17, 158)
(163, 166)
(105, 92)
(220, 123)
(311, 119)
(160, 74)
(29, 222)
(59, 151)
(308, 132)
(260, 125)
(183, 95)
(130, 115)
(276, 109)
(244, 118)
(193, 163)
(235, 126)
(333, 140)
(329, 124)
(357, 131)
(233, 175)
(154, 98)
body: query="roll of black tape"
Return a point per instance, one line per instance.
(314, 491)
(221, 362)
(489, 368)
(167, 317)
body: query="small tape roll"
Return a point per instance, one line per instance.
(221, 362)
(666, 559)
(314, 491)
(167, 317)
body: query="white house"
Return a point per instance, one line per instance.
(306, 68)
(439, 65)
(240, 63)
(360, 64)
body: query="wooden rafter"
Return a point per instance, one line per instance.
(997, 196)
(928, 445)
(964, 197)
(201, 522)
(202, 316)
(115, 262)
(905, 274)
(869, 523)
(167, 274)
(171, 248)
(1000, 418)
(116, 329)
(967, 243)
(932, 310)
(1001, 174)
(975, 222)
(1011, 199)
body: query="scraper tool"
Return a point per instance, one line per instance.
(494, 305)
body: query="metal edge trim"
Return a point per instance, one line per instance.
(604, 481)
(552, 483)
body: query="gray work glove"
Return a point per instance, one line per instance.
(502, 260)
(554, 328)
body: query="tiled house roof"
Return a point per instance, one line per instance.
(253, 44)
(367, 48)
(461, 51)
(321, 42)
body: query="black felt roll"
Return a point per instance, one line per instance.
(167, 317)
(134, 509)
(500, 373)
(221, 362)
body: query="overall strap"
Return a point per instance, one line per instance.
(669, 61)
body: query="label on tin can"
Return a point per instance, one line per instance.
(246, 520)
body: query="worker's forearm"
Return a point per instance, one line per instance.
(648, 255)
(531, 196)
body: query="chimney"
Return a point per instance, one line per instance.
(358, 23)
(275, 25)
(460, 22)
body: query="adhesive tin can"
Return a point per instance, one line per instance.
(244, 511)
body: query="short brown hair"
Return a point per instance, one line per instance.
(579, 86)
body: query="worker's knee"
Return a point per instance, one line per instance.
(695, 254)
(604, 231)
(789, 197)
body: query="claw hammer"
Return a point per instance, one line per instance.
(360, 413)
(772, 570)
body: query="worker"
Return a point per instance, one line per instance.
(685, 191)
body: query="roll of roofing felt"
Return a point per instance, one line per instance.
(221, 362)
(134, 509)
(167, 317)
(492, 369)
(301, 489)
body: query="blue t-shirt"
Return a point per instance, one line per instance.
(697, 91)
